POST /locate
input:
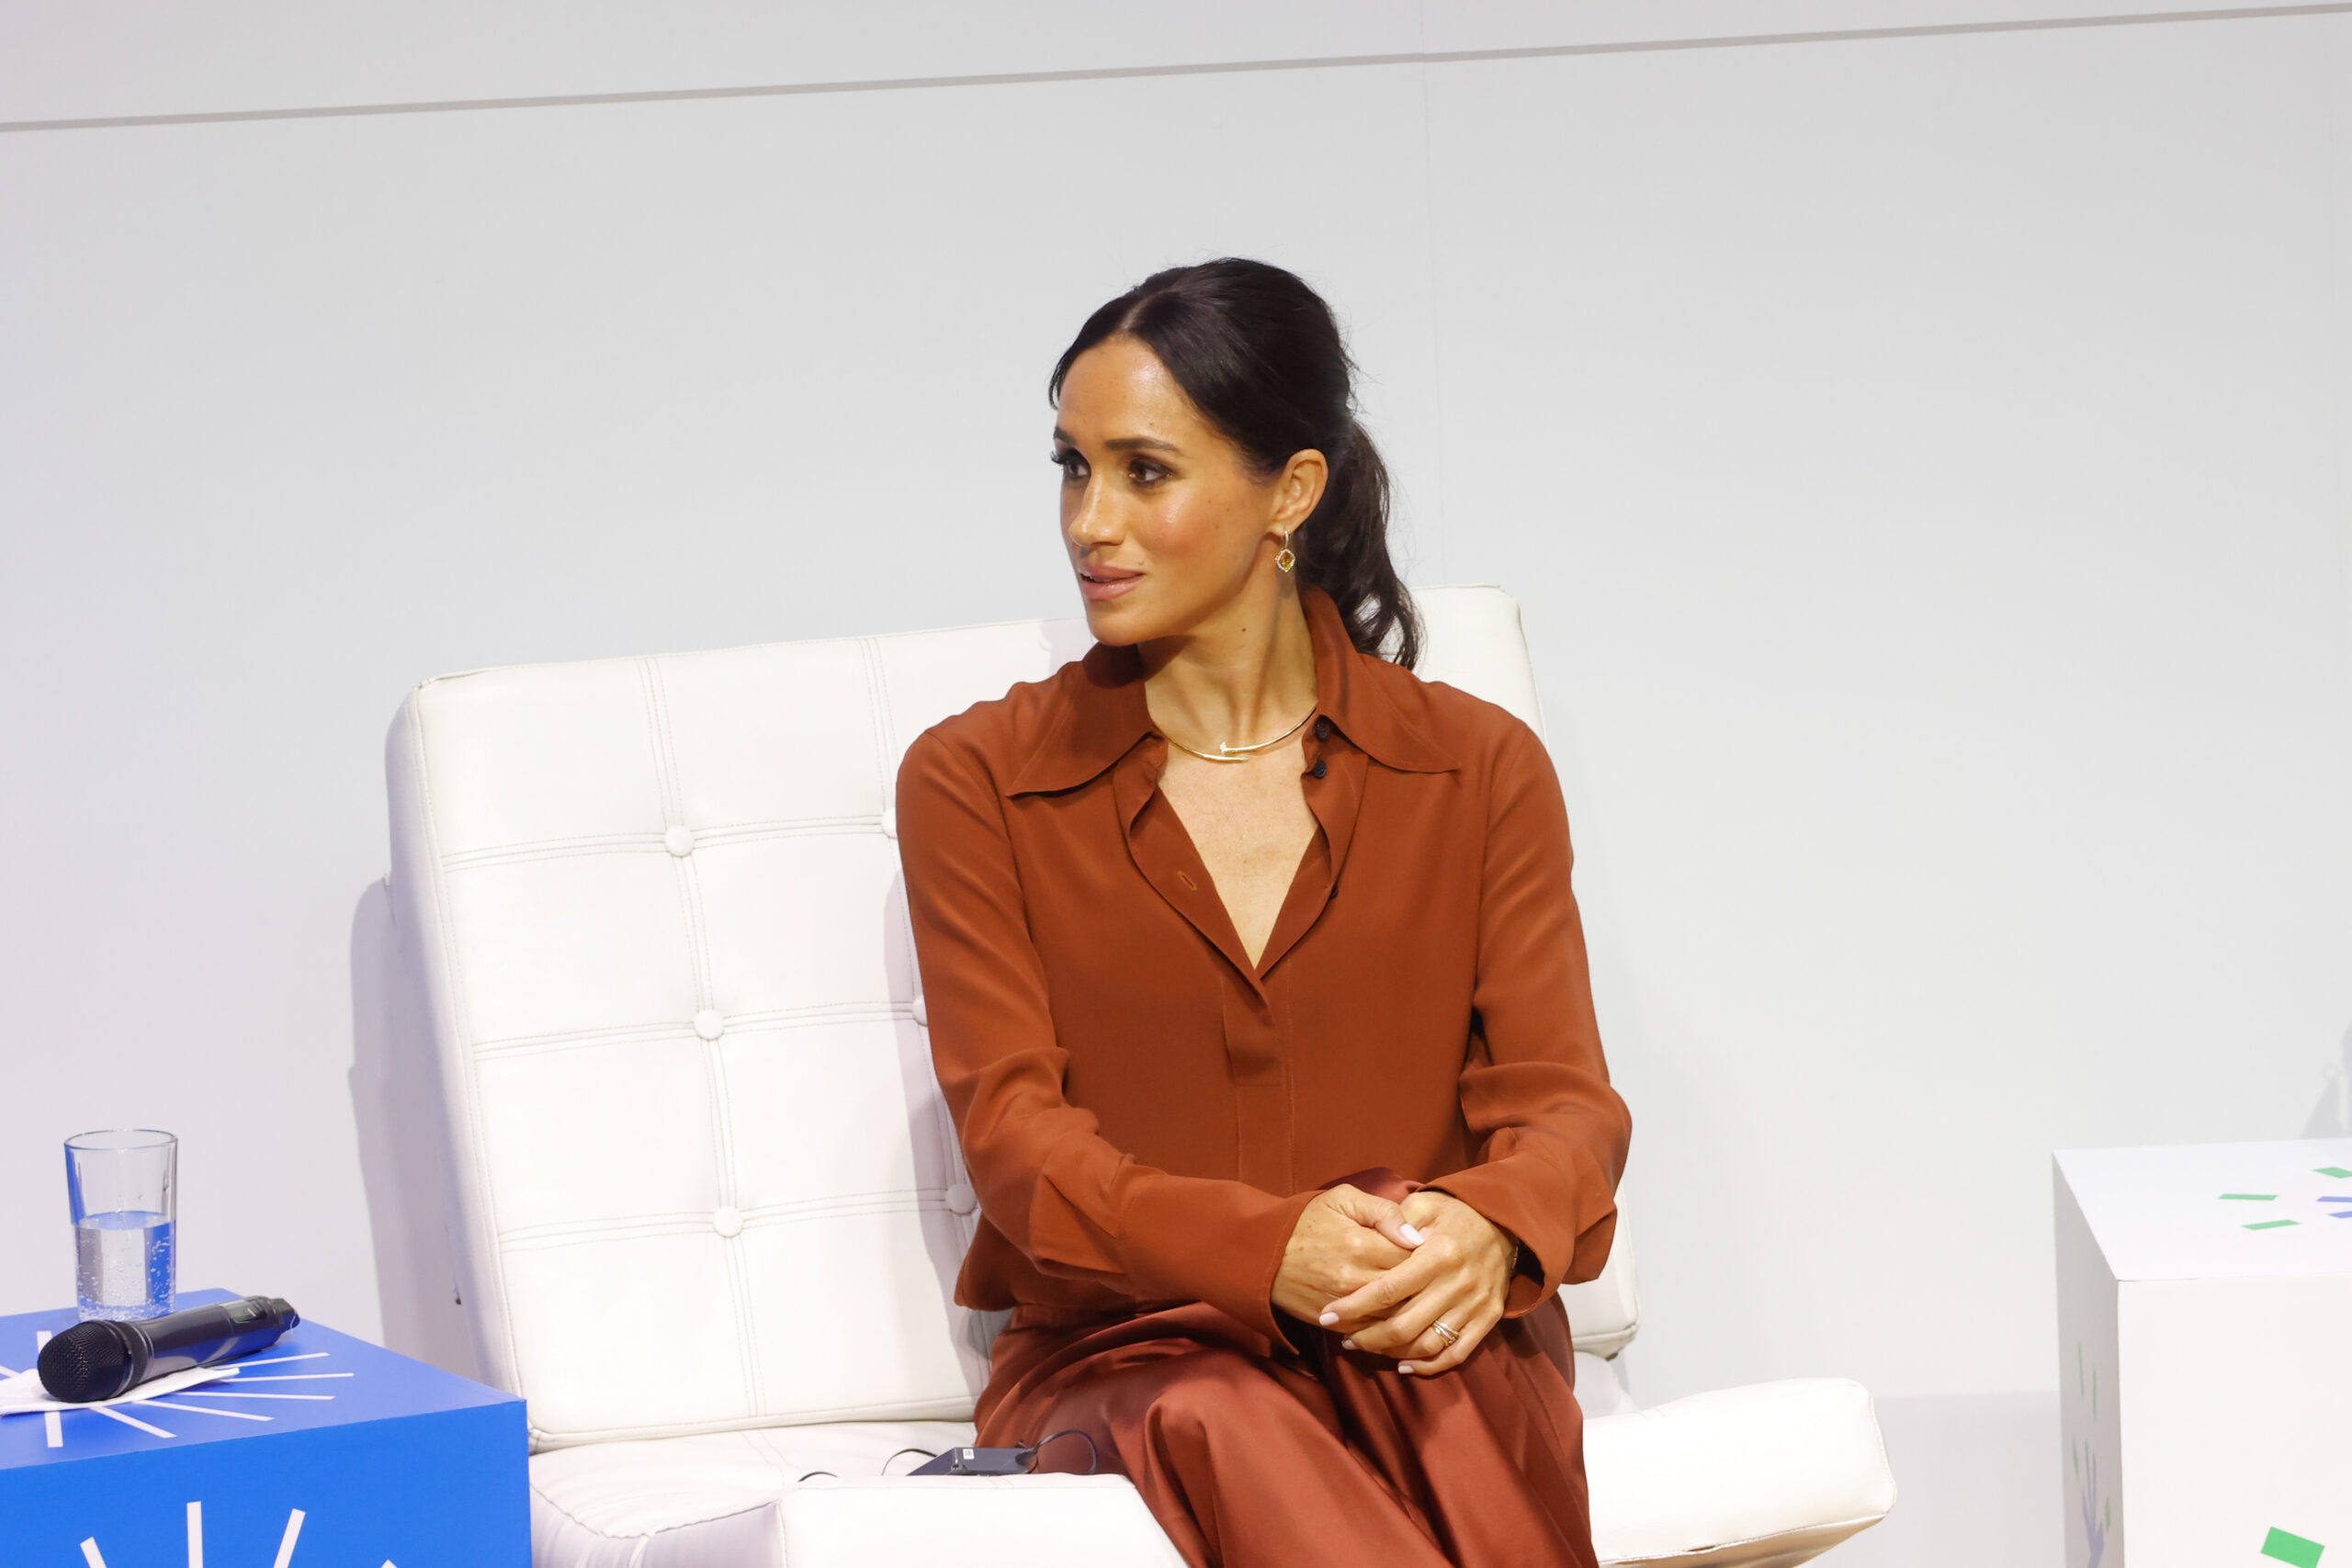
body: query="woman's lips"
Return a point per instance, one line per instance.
(1098, 583)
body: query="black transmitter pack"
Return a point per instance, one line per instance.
(979, 1462)
(1002, 1461)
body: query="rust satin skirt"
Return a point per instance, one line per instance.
(1255, 1453)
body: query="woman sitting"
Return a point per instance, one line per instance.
(1258, 991)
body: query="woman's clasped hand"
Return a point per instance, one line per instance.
(1385, 1275)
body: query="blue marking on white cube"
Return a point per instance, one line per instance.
(322, 1451)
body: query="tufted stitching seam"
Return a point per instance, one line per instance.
(549, 849)
(882, 720)
(650, 843)
(779, 1021)
(776, 1021)
(958, 1409)
(714, 1051)
(765, 1445)
(632, 1227)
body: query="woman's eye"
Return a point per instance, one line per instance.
(1072, 465)
(1146, 474)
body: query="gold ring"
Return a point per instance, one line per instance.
(1450, 1336)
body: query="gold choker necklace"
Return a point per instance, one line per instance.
(1229, 753)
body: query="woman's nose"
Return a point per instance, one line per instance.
(1090, 522)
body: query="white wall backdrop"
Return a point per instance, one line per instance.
(1922, 459)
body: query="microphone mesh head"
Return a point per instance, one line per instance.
(87, 1361)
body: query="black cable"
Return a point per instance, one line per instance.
(925, 1452)
(1094, 1454)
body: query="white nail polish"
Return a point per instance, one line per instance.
(1411, 1235)
(1406, 1368)
(1347, 1344)
(1328, 1319)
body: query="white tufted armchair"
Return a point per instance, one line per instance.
(707, 1203)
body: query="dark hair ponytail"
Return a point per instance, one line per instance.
(1259, 355)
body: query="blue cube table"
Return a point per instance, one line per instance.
(325, 1452)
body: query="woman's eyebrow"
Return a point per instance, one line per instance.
(1123, 444)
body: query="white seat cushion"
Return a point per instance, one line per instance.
(1030, 1522)
(1761, 1477)
(748, 1500)
(702, 1502)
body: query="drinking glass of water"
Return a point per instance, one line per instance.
(125, 1190)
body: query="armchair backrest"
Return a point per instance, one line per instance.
(703, 1175)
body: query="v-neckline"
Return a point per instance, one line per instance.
(1255, 963)
(1169, 858)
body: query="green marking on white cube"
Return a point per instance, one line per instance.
(2249, 1197)
(2292, 1549)
(2336, 1171)
(2268, 1225)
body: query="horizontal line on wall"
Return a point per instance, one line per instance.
(1128, 73)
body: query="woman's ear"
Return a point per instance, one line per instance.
(1298, 489)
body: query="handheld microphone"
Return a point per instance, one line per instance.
(105, 1358)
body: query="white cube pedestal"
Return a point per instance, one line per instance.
(2205, 1391)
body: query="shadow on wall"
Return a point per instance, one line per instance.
(401, 1144)
(2332, 1117)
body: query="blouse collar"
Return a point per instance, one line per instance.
(1104, 715)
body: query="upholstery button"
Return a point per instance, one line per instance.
(923, 1014)
(1320, 768)
(961, 1199)
(1322, 729)
(728, 1222)
(679, 841)
(889, 821)
(708, 1024)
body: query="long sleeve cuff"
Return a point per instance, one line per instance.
(1217, 1242)
(1569, 1247)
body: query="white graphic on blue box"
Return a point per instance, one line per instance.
(173, 1393)
(94, 1558)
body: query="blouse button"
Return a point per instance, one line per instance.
(1320, 768)
(1322, 729)
(961, 1200)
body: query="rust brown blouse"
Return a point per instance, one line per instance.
(1144, 1111)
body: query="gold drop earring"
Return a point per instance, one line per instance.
(1286, 560)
